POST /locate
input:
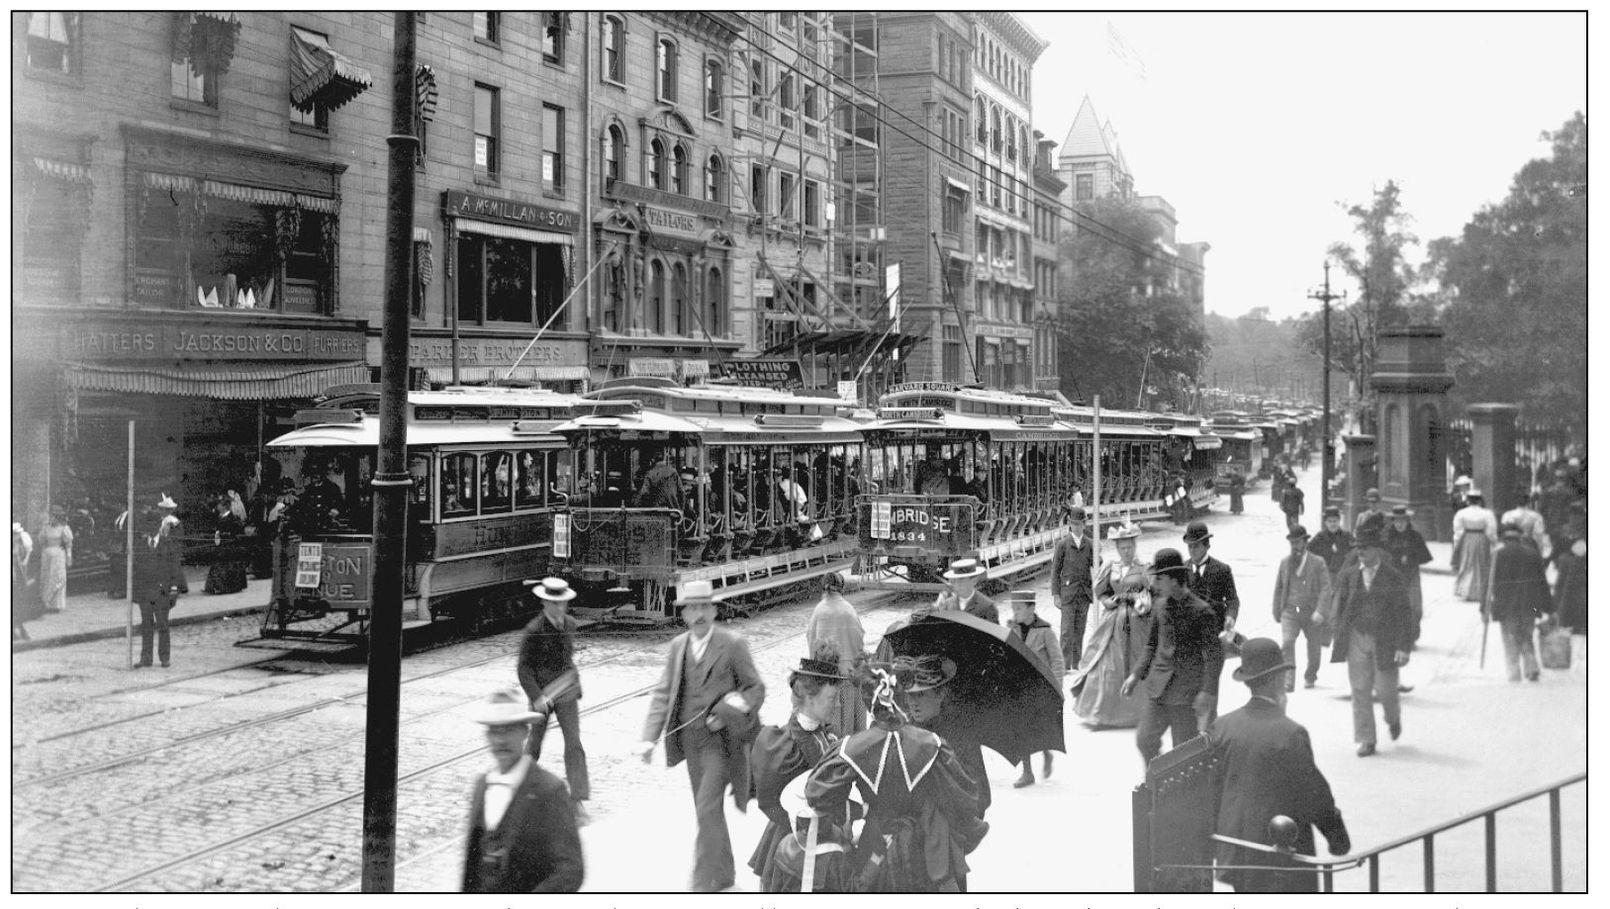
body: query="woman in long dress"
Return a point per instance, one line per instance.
(834, 625)
(55, 546)
(1116, 639)
(1475, 532)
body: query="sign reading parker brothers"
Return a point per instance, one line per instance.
(457, 204)
(208, 341)
(763, 372)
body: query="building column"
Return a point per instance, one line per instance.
(1360, 466)
(1492, 453)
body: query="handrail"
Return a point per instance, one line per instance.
(1327, 867)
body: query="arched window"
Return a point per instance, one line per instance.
(995, 129)
(656, 297)
(757, 88)
(713, 89)
(715, 180)
(679, 301)
(714, 302)
(665, 69)
(679, 170)
(614, 41)
(981, 129)
(614, 154)
(656, 164)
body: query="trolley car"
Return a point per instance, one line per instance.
(749, 488)
(487, 470)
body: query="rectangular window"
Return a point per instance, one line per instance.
(614, 39)
(955, 210)
(553, 37)
(487, 125)
(509, 281)
(485, 26)
(319, 117)
(813, 204)
(52, 44)
(953, 353)
(553, 148)
(981, 236)
(785, 194)
(665, 69)
(713, 89)
(196, 80)
(1084, 187)
(757, 188)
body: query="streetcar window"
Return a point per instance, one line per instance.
(529, 480)
(496, 482)
(419, 501)
(460, 487)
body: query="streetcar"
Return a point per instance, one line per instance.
(1242, 449)
(487, 471)
(751, 489)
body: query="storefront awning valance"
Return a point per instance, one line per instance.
(510, 232)
(66, 171)
(205, 40)
(320, 76)
(252, 195)
(444, 374)
(225, 381)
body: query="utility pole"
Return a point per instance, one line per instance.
(1329, 456)
(391, 480)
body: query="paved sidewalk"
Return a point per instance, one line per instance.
(94, 616)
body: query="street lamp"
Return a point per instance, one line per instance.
(1328, 456)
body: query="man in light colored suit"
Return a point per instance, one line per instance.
(522, 836)
(706, 708)
(1302, 594)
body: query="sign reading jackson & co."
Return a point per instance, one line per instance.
(456, 204)
(208, 340)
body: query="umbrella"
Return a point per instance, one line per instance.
(1002, 697)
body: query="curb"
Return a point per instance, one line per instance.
(101, 634)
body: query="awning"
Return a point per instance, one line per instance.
(510, 232)
(205, 40)
(225, 381)
(236, 192)
(425, 93)
(320, 76)
(65, 171)
(444, 374)
(844, 340)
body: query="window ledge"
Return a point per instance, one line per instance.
(71, 80)
(495, 45)
(487, 180)
(302, 129)
(614, 82)
(194, 107)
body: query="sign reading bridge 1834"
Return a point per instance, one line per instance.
(941, 526)
(766, 372)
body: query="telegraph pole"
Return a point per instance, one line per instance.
(1328, 458)
(391, 481)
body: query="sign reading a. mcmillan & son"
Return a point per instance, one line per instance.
(763, 372)
(457, 204)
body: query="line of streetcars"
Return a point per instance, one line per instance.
(642, 485)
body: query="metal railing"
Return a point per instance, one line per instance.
(1328, 868)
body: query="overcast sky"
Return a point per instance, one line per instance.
(1254, 125)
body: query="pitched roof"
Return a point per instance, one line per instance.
(1086, 137)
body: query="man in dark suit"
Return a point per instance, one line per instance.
(1071, 570)
(1374, 630)
(522, 837)
(706, 707)
(1214, 582)
(1332, 543)
(158, 580)
(1181, 663)
(963, 578)
(1517, 595)
(1266, 768)
(547, 653)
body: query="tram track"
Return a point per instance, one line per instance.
(881, 599)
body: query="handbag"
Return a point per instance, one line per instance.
(1554, 645)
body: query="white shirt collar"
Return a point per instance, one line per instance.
(514, 777)
(500, 790)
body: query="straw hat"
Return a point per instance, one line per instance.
(555, 589)
(506, 707)
(1128, 530)
(696, 593)
(963, 568)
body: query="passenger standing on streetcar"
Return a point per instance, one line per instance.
(547, 652)
(661, 486)
(1072, 568)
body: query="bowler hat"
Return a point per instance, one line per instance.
(1076, 513)
(1332, 511)
(696, 593)
(1169, 561)
(506, 707)
(556, 589)
(1196, 532)
(963, 568)
(1259, 657)
(924, 673)
(1297, 532)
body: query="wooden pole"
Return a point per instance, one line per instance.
(128, 551)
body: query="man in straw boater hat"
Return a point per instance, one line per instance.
(547, 654)
(1302, 594)
(1181, 663)
(1373, 627)
(522, 836)
(963, 577)
(158, 580)
(1267, 769)
(706, 708)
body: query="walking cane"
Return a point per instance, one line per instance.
(1485, 621)
(807, 881)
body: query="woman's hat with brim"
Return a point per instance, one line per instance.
(1128, 530)
(506, 707)
(924, 673)
(696, 593)
(57, 511)
(1462, 481)
(1259, 657)
(820, 669)
(963, 568)
(167, 502)
(556, 589)
(1473, 494)
(1402, 511)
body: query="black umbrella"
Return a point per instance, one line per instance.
(1002, 697)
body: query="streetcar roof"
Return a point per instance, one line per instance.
(366, 434)
(768, 427)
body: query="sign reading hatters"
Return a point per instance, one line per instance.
(208, 341)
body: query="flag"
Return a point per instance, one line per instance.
(1123, 52)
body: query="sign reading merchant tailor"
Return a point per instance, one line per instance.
(456, 204)
(208, 341)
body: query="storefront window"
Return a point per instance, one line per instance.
(513, 281)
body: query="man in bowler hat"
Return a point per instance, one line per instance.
(522, 837)
(1214, 582)
(1182, 660)
(1267, 769)
(1374, 628)
(1072, 567)
(706, 708)
(1302, 593)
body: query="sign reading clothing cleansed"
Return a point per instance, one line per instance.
(763, 372)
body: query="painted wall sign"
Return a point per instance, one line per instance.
(458, 204)
(765, 372)
(439, 352)
(209, 340)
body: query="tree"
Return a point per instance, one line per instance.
(1126, 333)
(1516, 283)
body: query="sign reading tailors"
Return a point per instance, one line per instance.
(765, 372)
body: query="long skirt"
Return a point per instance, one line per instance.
(850, 717)
(1113, 645)
(1474, 556)
(53, 578)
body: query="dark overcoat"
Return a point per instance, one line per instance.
(542, 850)
(1394, 632)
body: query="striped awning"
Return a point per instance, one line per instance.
(320, 76)
(224, 381)
(65, 171)
(236, 192)
(511, 232)
(444, 374)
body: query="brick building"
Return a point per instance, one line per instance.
(1050, 219)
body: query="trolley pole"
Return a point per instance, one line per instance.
(391, 482)
(1328, 456)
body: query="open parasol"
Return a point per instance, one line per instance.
(1001, 696)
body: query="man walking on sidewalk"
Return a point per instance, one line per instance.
(1071, 571)
(1214, 582)
(1302, 592)
(1517, 596)
(1373, 627)
(1181, 663)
